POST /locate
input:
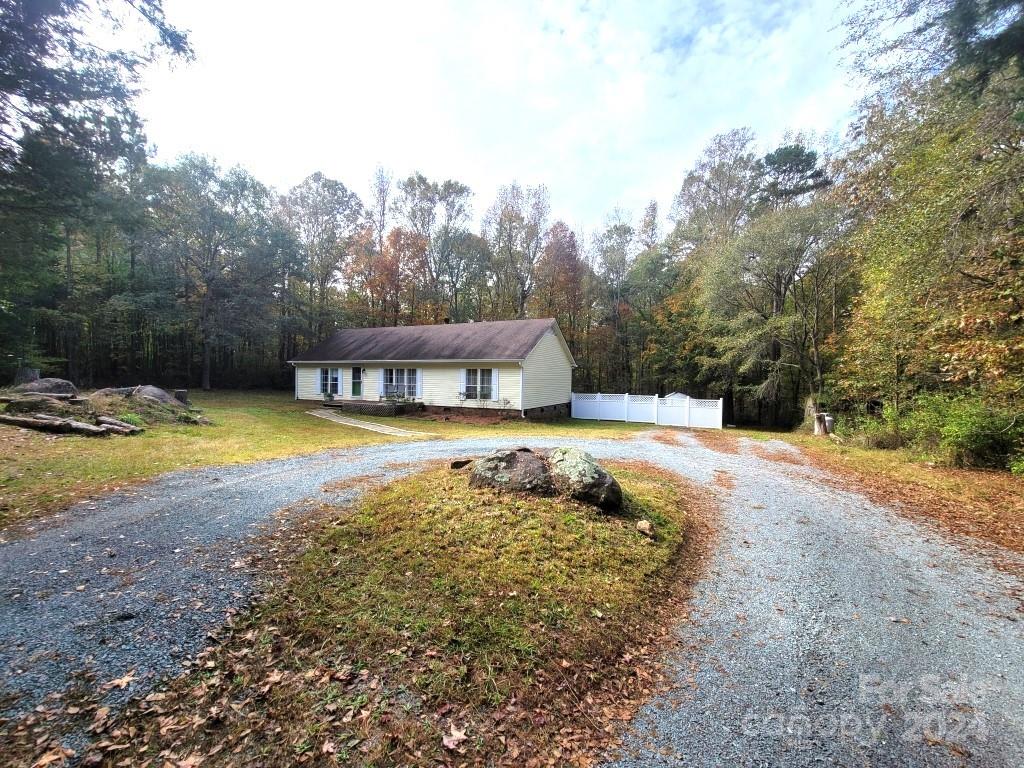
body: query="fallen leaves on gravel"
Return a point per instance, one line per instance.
(717, 440)
(779, 454)
(121, 682)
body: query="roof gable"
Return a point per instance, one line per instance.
(492, 340)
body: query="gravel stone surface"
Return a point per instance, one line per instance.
(828, 630)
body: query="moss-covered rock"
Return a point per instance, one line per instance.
(519, 470)
(577, 474)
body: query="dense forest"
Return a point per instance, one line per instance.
(880, 278)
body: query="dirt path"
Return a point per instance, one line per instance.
(821, 608)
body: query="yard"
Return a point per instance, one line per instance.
(40, 473)
(368, 608)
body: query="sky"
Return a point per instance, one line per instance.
(606, 103)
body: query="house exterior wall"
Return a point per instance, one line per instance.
(547, 374)
(441, 383)
(306, 382)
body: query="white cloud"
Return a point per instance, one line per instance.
(608, 104)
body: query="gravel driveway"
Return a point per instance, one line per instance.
(828, 631)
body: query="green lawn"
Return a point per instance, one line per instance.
(41, 473)
(454, 429)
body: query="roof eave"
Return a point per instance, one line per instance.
(413, 360)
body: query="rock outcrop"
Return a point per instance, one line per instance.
(142, 392)
(48, 387)
(567, 471)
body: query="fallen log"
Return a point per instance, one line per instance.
(117, 430)
(49, 417)
(63, 426)
(86, 429)
(112, 422)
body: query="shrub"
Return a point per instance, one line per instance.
(132, 418)
(924, 424)
(1017, 465)
(976, 434)
(962, 431)
(885, 431)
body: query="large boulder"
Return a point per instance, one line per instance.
(143, 392)
(577, 474)
(48, 387)
(518, 470)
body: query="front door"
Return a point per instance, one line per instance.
(357, 382)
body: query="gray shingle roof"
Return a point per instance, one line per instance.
(493, 340)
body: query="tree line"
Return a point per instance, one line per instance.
(862, 277)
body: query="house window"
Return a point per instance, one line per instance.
(479, 383)
(329, 380)
(400, 382)
(357, 382)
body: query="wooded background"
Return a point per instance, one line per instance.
(867, 276)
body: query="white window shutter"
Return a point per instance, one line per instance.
(494, 384)
(380, 382)
(419, 383)
(319, 381)
(462, 380)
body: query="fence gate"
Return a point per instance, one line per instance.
(673, 411)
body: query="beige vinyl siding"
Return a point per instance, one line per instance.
(441, 383)
(307, 382)
(547, 373)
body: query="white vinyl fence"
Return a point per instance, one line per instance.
(674, 411)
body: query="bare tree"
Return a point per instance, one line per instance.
(515, 227)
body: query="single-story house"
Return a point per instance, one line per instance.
(515, 366)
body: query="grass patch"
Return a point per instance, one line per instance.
(438, 624)
(586, 428)
(42, 473)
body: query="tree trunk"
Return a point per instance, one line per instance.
(204, 324)
(68, 277)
